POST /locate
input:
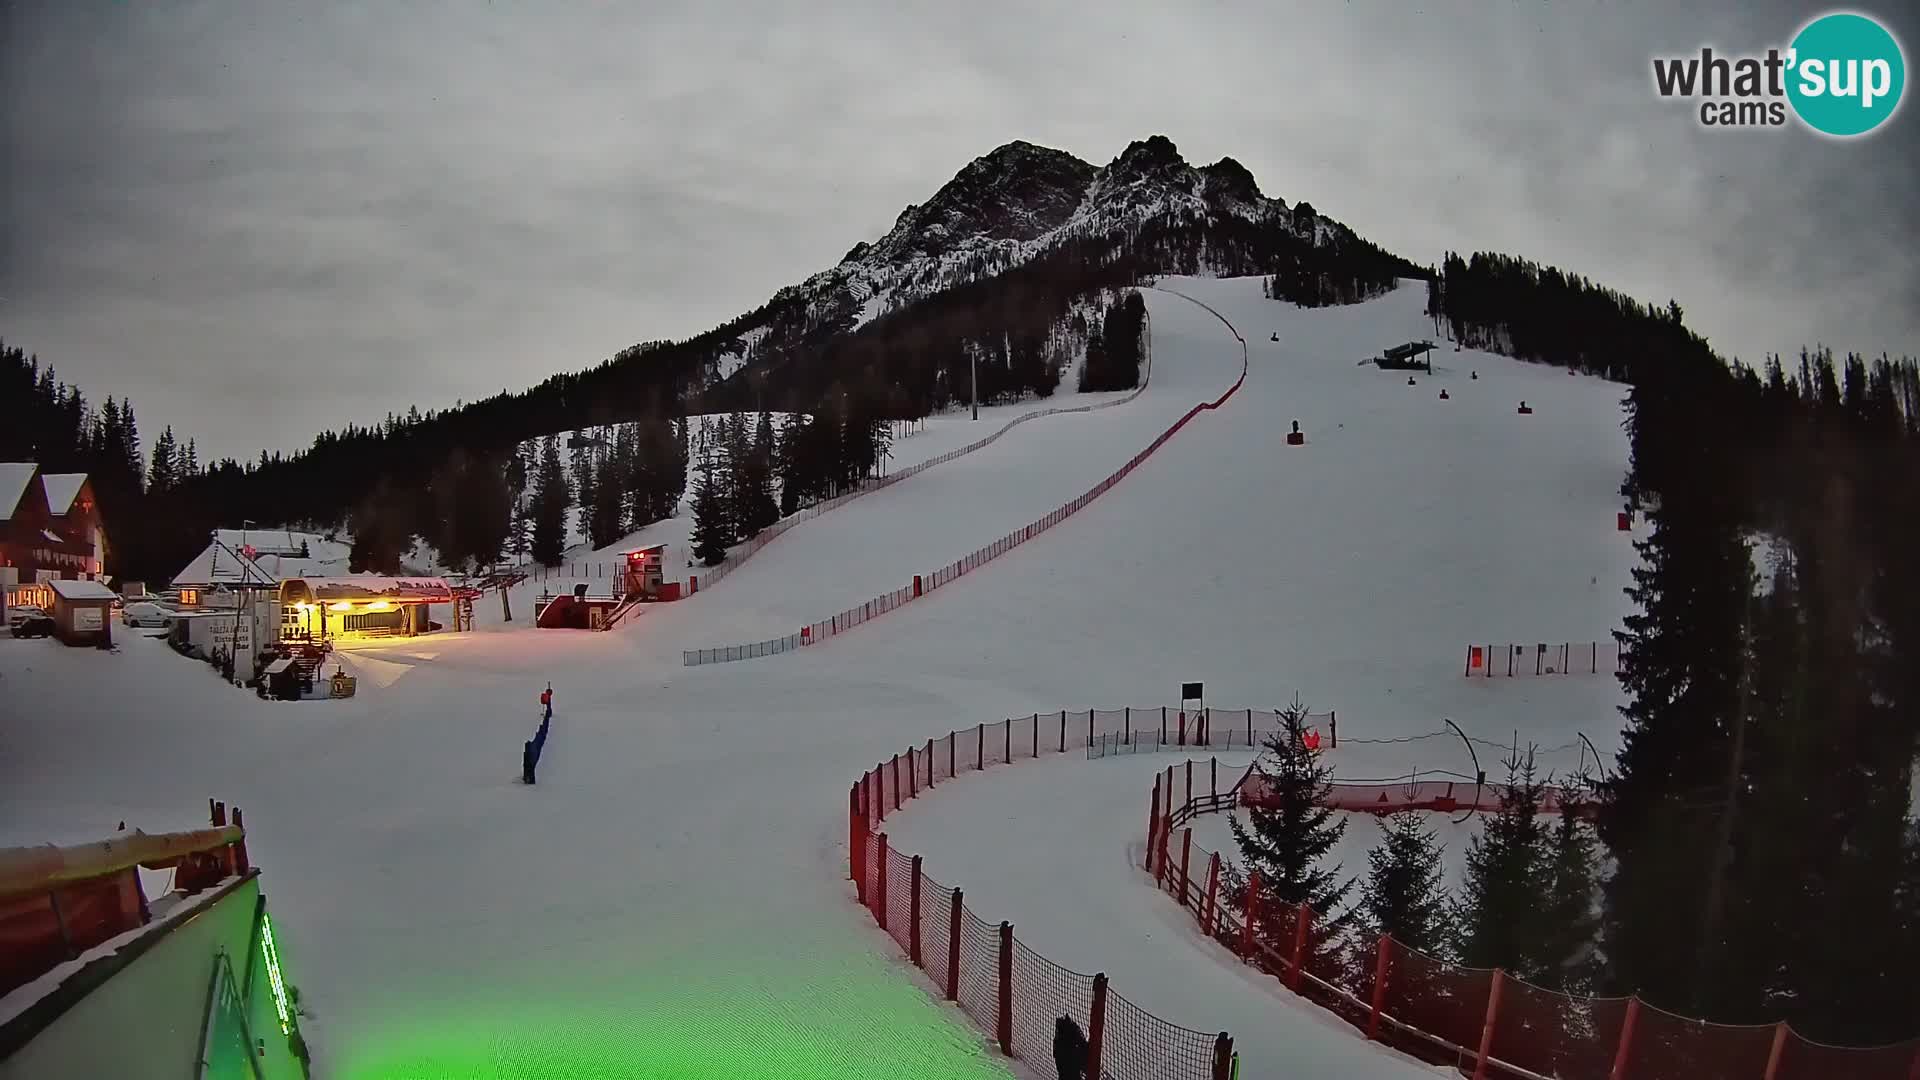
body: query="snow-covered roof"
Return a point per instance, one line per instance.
(14, 478)
(221, 564)
(61, 489)
(79, 590)
(360, 586)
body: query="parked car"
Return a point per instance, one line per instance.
(26, 621)
(147, 613)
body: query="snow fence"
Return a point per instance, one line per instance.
(922, 584)
(1481, 1021)
(1543, 658)
(1009, 991)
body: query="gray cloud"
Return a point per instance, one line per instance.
(264, 219)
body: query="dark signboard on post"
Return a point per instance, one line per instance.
(1190, 691)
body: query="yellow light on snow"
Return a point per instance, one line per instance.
(380, 605)
(340, 605)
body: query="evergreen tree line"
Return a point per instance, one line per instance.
(749, 481)
(1345, 270)
(1527, 904)
(1760, 825)
(1114, 353)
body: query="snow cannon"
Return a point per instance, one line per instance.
(1275, 337)
(1525, 409)
(1410, 381)
(1296, 437)
(1443, 394)
(1475, 376)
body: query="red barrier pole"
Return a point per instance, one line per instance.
(1006, 989)
(1163, 725)
(1008, 734)
(1779, 1048)
(1486, 1030)
(913, 918)
(1097, 1024)
(1213, 778)
(1089, 728)
(1253, 910)
(1302, 922)
(950, 766)
(913, 776)
(1129, 726)
(1036, 735)
(1189, 801)
(1333, 727)
(1379, 987)
(933, 764)
(896, 781)
(853, 841)
(1210, 912)
(1619, 1070)
(955, 913)
(1063, 729)
(1153, 821)
(1186, 855)
(980, 760)
(880, 884)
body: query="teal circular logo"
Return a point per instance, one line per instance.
(1846, 74)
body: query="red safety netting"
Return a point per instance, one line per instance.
(1043, 991)
(936, 926)
(1554, 1034)
(1670, 1047)
(900, 898)
(1803, 1059)
(1141, 1046)
(980, 971)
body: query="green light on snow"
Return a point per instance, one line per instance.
(272, 955)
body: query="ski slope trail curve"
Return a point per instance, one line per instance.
(881, 541)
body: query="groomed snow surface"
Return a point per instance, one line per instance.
(670, 899)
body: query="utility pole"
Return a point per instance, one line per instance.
(973, 368)
(1723, 842)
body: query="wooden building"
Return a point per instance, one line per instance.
(82, 612)
(50, 529)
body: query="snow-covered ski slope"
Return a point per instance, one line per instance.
(670, 899)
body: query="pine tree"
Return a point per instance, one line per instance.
(1498, 916)
(584, 483)
(1403, 894)
(1568, 918)
(164, 473)
(551, 498)
(1286, 838)
(191, 467)
(712, 523)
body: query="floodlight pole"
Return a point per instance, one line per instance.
(973, 378)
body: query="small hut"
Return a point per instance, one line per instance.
(82, 612)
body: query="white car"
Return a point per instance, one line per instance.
(147, 613)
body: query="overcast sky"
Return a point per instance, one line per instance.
(264, 218)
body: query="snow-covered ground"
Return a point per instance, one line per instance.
(672, 892)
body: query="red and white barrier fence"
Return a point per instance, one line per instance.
(922, 584)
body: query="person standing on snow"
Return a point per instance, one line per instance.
(1069, 1049)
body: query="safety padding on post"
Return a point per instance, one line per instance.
(880, 884)
(1097, 1024)
(916, 586)
(1302, 924)
(955, 912)
(1005, 1026)
(1252, 913)
(913, 917)
(1384, 950)
(1486, 1030)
